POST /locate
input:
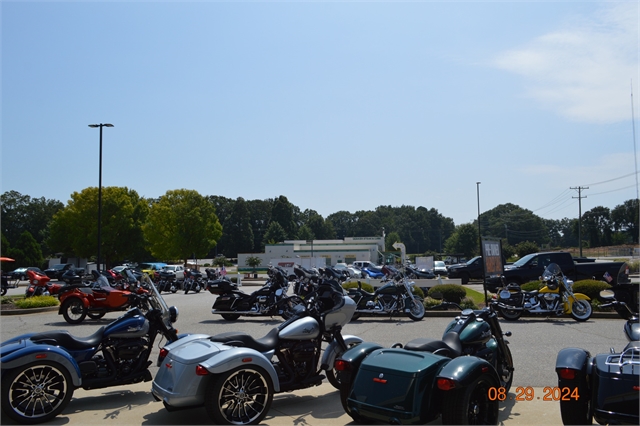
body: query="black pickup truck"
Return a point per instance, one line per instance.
(531, 266)
(473, 269)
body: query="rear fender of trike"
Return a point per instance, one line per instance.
(237, 357)
(354, 358)
(333, 350)
(573, 367)
(29, 352)
(464, 370)
(84, 300)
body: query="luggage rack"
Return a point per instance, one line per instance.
(630, 356)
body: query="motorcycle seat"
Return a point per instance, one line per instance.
(450, 345)
(64, 339)
(244, 340)
(531, 293)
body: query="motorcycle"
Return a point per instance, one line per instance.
(235, 376)
(556, 297)
(167, 281)
(78, 301)
(419, 273)
(73, 276)
(604, 386)
(39, 285)
(306, 280)
(269, 300)
(40, 371)
(192, 281)
(459, 377)
(394, 297)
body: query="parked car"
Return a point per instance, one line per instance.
(440, 268)
(21, 273)
(177, 270)
(151, 268)
(56, 271)
(364, 264)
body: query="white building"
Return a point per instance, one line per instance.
(333, 251)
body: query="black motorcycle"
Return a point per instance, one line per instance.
(73, 276)
(306, 280)
(393, 298)
(605, 386)
(192, 281)
(167, 282)
(270, 300)
(415, 273)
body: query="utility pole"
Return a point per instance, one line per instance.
(580, 197)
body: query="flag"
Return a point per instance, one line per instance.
(608, 277)
(223, 272)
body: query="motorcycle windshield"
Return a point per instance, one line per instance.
(552, 270)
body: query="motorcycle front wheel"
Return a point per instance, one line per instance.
(416, 311)
(36, 392)
(581, 310)
(241, 396)
(73, 311)
(332, 376)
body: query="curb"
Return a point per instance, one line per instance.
(29, 311)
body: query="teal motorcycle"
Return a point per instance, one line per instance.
(461, 377)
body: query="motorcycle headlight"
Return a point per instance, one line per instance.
(173, 314)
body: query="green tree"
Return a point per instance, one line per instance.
(238, 230)
(275, 234)
(343, 223)
(253, 262)
(22, 213)
(596, 226)
(74, 229)
(283, 213)
(220, 261)
(260, 216)
(464, 240)
(624, 218)
(27, 251)
(390, 239)
(514, 223)
(526, 247)
(180, 224)
(305, 233)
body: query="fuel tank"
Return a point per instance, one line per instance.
(128, 326)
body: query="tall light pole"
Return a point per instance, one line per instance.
(101, 125)
(479, 233)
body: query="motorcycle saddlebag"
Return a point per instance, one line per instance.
(615, 387)
(397, 386)
(221, 286)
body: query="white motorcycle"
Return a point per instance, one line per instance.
(235, 376)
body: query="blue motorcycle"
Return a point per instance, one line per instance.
(40, 371)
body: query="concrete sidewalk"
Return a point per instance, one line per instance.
(134, 405)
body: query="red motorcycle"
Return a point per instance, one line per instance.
(79, 301)
(39, 285)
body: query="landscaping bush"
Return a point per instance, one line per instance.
(468, 303)
(532, 285)
(450, 292)
(429, 302)
(591, 288)
(36, 302)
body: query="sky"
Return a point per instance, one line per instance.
(339, 106)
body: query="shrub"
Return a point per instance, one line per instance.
(450, 292)
(36, 302)
(591, 288)
(532, 285)
(468, 303)
(430, 303)
(417, 291)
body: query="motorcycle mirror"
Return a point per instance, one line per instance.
(508, 334)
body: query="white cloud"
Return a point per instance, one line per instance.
(583, 71)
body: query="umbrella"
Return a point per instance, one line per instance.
(6, 259)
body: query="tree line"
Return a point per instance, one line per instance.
(183, 223)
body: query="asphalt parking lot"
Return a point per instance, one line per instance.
(534, 344)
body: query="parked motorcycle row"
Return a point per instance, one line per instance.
(235, 376)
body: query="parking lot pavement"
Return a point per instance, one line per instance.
(134, 405)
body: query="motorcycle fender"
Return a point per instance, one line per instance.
(236, 357)
(31, 353)
(465, 369)
(85, 302)
(568, 305)
(573, 358)
(357, 354)
(333, 349)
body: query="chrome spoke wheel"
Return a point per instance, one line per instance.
(240, 397)
(36, 393)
